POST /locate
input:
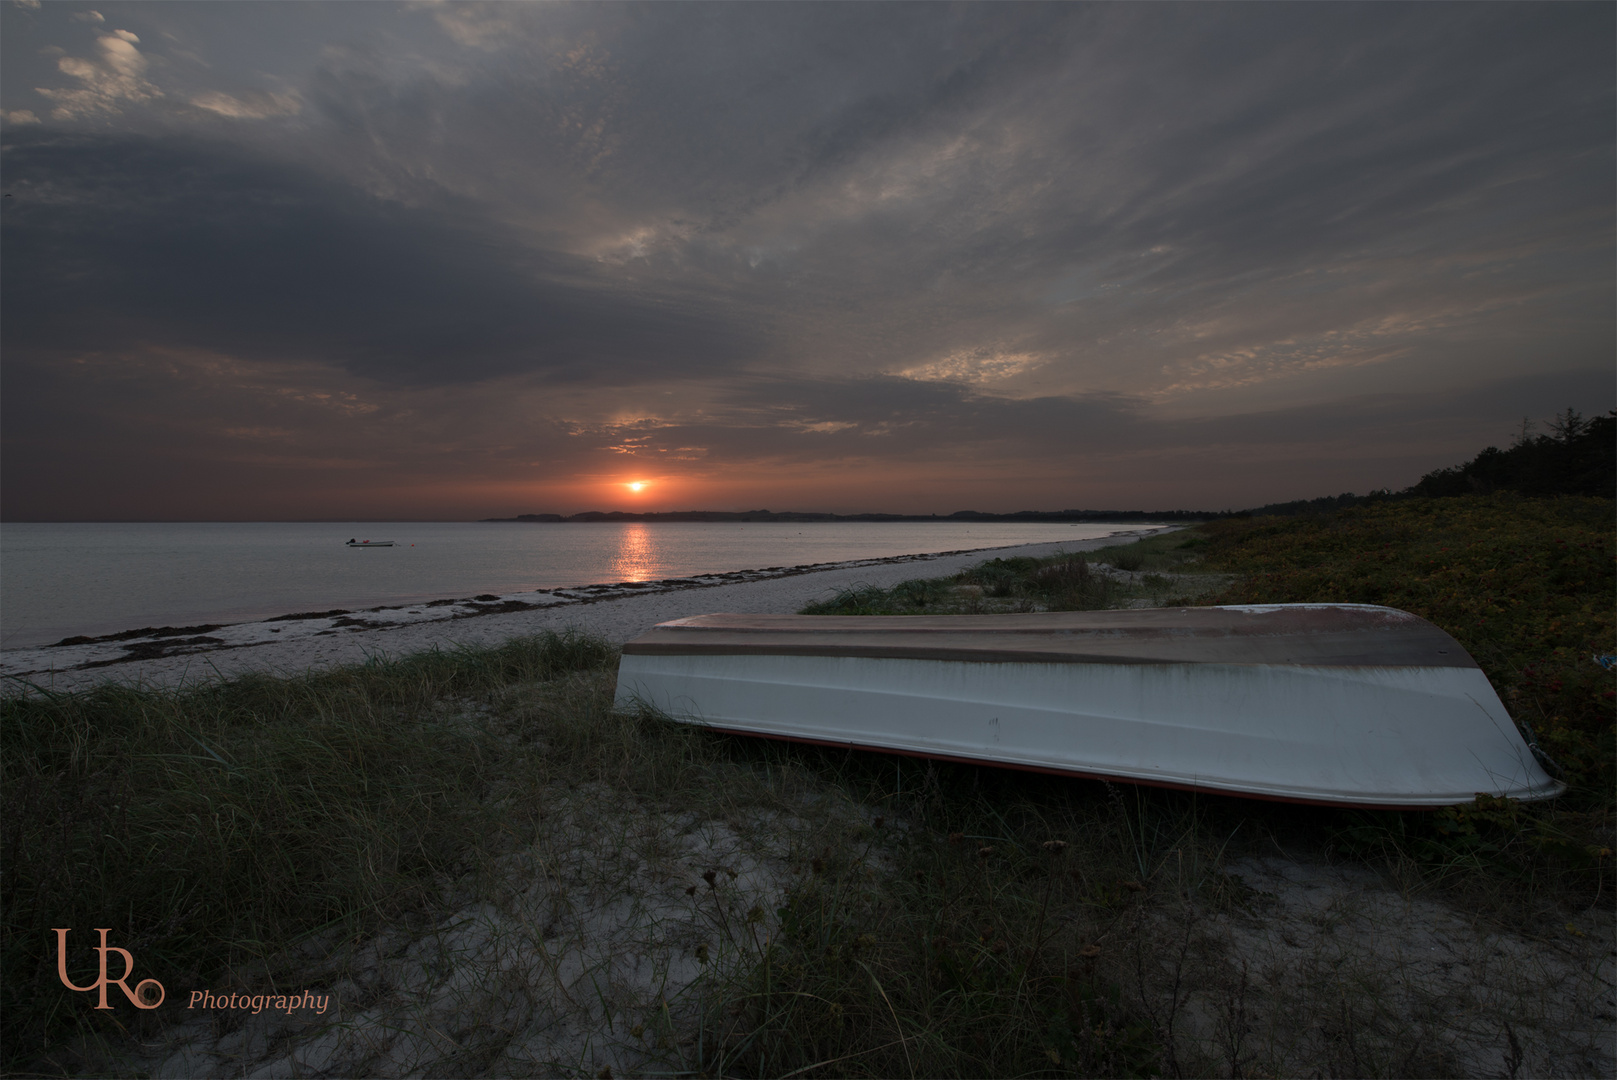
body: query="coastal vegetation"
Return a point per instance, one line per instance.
(1142, 573)
(207, 825)
(893, 917)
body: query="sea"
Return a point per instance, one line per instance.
(58, 580)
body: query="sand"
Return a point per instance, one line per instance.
(298, 642)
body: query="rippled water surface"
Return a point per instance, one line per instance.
(61, 579)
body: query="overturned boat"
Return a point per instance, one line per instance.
(1340, 704)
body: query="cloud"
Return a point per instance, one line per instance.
(481, 26)
(132, 240)
(20, 116)
(248, 106)
(984, 364)
(110, 80)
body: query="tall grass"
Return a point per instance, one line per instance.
(1056, 583)
(1525, 585)
(981, 923)
(214, 825)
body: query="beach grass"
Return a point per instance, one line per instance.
(1134, 574)
(215, 824)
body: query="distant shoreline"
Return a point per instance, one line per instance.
(1038, 517)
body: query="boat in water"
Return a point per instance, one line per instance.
(1335, 704)
(369, 543)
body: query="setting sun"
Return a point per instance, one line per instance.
(637, 485)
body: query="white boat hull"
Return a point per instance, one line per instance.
(1366, 734)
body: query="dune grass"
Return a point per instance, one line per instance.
(1137, 573)
(984, 924)
(212, 825)
(991, 923)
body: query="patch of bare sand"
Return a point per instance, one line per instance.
(1326, 969)
(601, 946)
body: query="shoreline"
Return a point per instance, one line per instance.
(296, 642)
(95, 580)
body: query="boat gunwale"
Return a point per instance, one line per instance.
(1311, 635)
(1007, 656)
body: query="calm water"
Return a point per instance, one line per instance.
(61, 579)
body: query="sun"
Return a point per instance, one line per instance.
(636, 485)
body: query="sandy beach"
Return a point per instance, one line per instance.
(296, 642)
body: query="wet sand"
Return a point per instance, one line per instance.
(298, 642)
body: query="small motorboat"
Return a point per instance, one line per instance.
(370, 543)
(1336, 704)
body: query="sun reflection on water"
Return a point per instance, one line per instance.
(637, 556)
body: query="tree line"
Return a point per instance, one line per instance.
(1573, 456)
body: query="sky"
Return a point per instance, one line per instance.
(272, 261)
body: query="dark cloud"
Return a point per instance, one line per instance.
(114, 243)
